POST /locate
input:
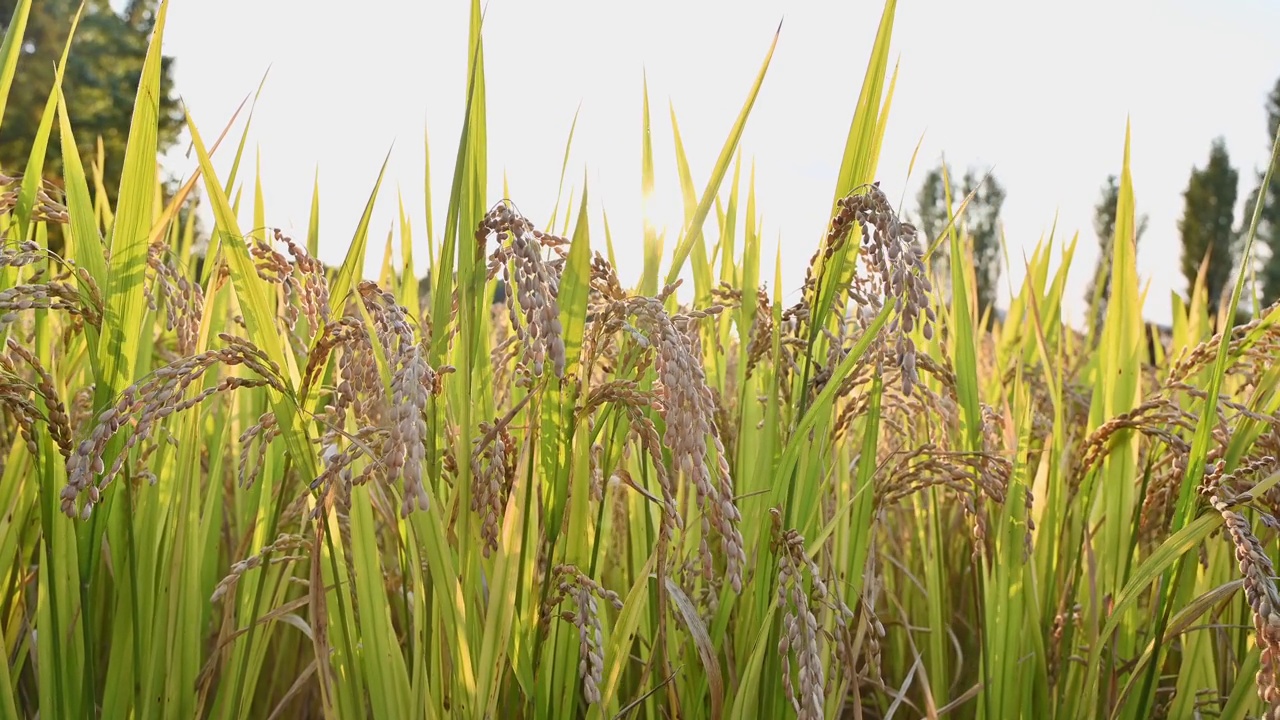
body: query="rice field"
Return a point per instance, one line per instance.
(238, 483)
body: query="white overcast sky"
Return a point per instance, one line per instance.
(1039, 91)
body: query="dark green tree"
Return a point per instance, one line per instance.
(1104, 226)
(1207, 225)
(1268, 237)
(931, 207)
(980, 221)
(100, 84)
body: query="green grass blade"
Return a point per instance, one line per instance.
(129, 232)
(352, 266)
(692, 232)
(11, 49)
(408, 276)
(564, 166)
(313, 224)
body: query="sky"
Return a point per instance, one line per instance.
(1038, 93)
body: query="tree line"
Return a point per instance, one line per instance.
(1211, 235)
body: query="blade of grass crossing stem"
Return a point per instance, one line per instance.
(251, 290)
(565, 444)
(181, 658)
(259, 202)
(728, 275)
(564, 167)
(693, 228)
(882, 124)
(728, 241)
(821, 406)
(59, 606)
(746, 702)
(200, 571)
(652, 242)
(574, 286)
(444, 263)
(313, 222)
(86, 247)
(772, 418)
(87, 251)
(749, 284)
(855, 162)
(429, 535)
(688, 193)
(426, 193)
(501, 611)
(608, 239)
(524, 642)
(471, 346)
(864, 494)
(124, 294)
(387, 271)
(698, 250)
(234, 173)
(964, 348)
(857, 167)
(1242, 702)
(425, 689)
(560, 398)
(408, 276)
(617, 647)
(1121, 388)
(206, 273)
(964, 352)
(384, 664)
(353, 264)
(101, 205)
(565, 693)
(1004, 629)
(119, 350)
(458, 250)
(8, 705)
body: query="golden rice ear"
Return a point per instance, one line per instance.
(536, 284)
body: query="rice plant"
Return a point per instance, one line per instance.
(239, 483)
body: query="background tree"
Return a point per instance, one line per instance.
(981, 222)
(931, 218)
(100, 83)
(1207, 223)
(1104, 226)
(1269, 224)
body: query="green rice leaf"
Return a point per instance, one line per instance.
(692, 232)
(350, 271)
(11, 49)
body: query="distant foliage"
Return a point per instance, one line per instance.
(979, 223)
(1208, 225)
(100, 83)
(1269, 223)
